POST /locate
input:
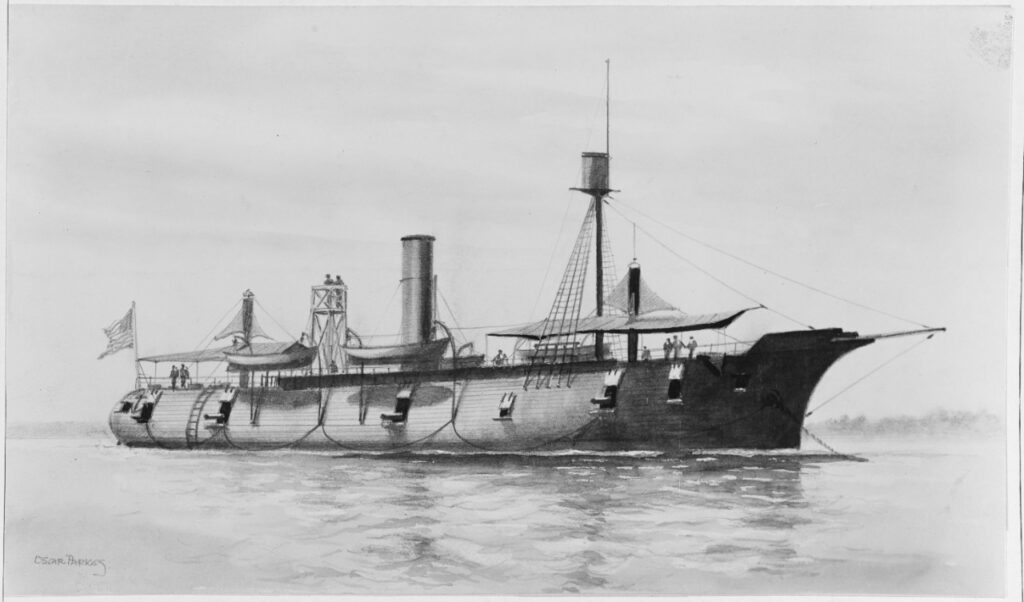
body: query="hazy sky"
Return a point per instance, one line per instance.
(177, 156)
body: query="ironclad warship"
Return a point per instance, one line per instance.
(572, 382)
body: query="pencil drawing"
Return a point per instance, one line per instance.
(470, 300)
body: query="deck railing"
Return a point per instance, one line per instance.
(260, 379)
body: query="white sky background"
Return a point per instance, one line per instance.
(177, 156)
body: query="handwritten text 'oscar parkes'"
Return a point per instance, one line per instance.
(70, 560)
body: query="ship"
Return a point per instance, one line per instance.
(573, 381)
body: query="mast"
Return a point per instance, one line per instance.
(595, 183)
(599, 194)
(608, 107)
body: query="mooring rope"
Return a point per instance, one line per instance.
(227, 437)
(200, 445)
(323, 429)
(571, 436)
(457, 404)
(404, 446)
(153, 437)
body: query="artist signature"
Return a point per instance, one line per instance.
(72, 561)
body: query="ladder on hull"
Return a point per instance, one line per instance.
(195, 415)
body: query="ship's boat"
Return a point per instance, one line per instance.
(430, 352)
(280, 356)
(573, 381)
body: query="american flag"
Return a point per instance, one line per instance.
(120, 334)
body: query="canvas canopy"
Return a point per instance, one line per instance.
(238, 326)
(649, 300)
(218, 355)
(655, 321)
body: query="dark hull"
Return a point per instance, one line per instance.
(756, 400)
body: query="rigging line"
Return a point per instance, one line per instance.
(493, 326)
(709, 274)
(551, 258)
(569, 289)
(271, 316)
(772, 272)
(449, 308)
(380, 318)
(876, 369)
(215, 325)
(565, 274)
(463, 328)
(577, 293)
(729, 336)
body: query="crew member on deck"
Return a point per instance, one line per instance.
(692, 346)
(500, 359)
(327, 279)
(174, 377)
(667, 347)
(677, 346)
(645, 355)
(184, 376)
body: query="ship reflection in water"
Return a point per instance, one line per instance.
(911, 520)
(591, 520)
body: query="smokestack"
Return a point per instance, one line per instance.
(633, 289)
(417, 288)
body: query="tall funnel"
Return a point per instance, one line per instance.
(417, 288)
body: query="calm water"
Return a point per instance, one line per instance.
(922, 516)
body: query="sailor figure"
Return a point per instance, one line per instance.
(692, 346)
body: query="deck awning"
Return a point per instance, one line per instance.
(217, 355)
(656, 321)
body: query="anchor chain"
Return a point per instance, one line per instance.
(822, 443)
(789, 414)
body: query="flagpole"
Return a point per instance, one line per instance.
(135, 346)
